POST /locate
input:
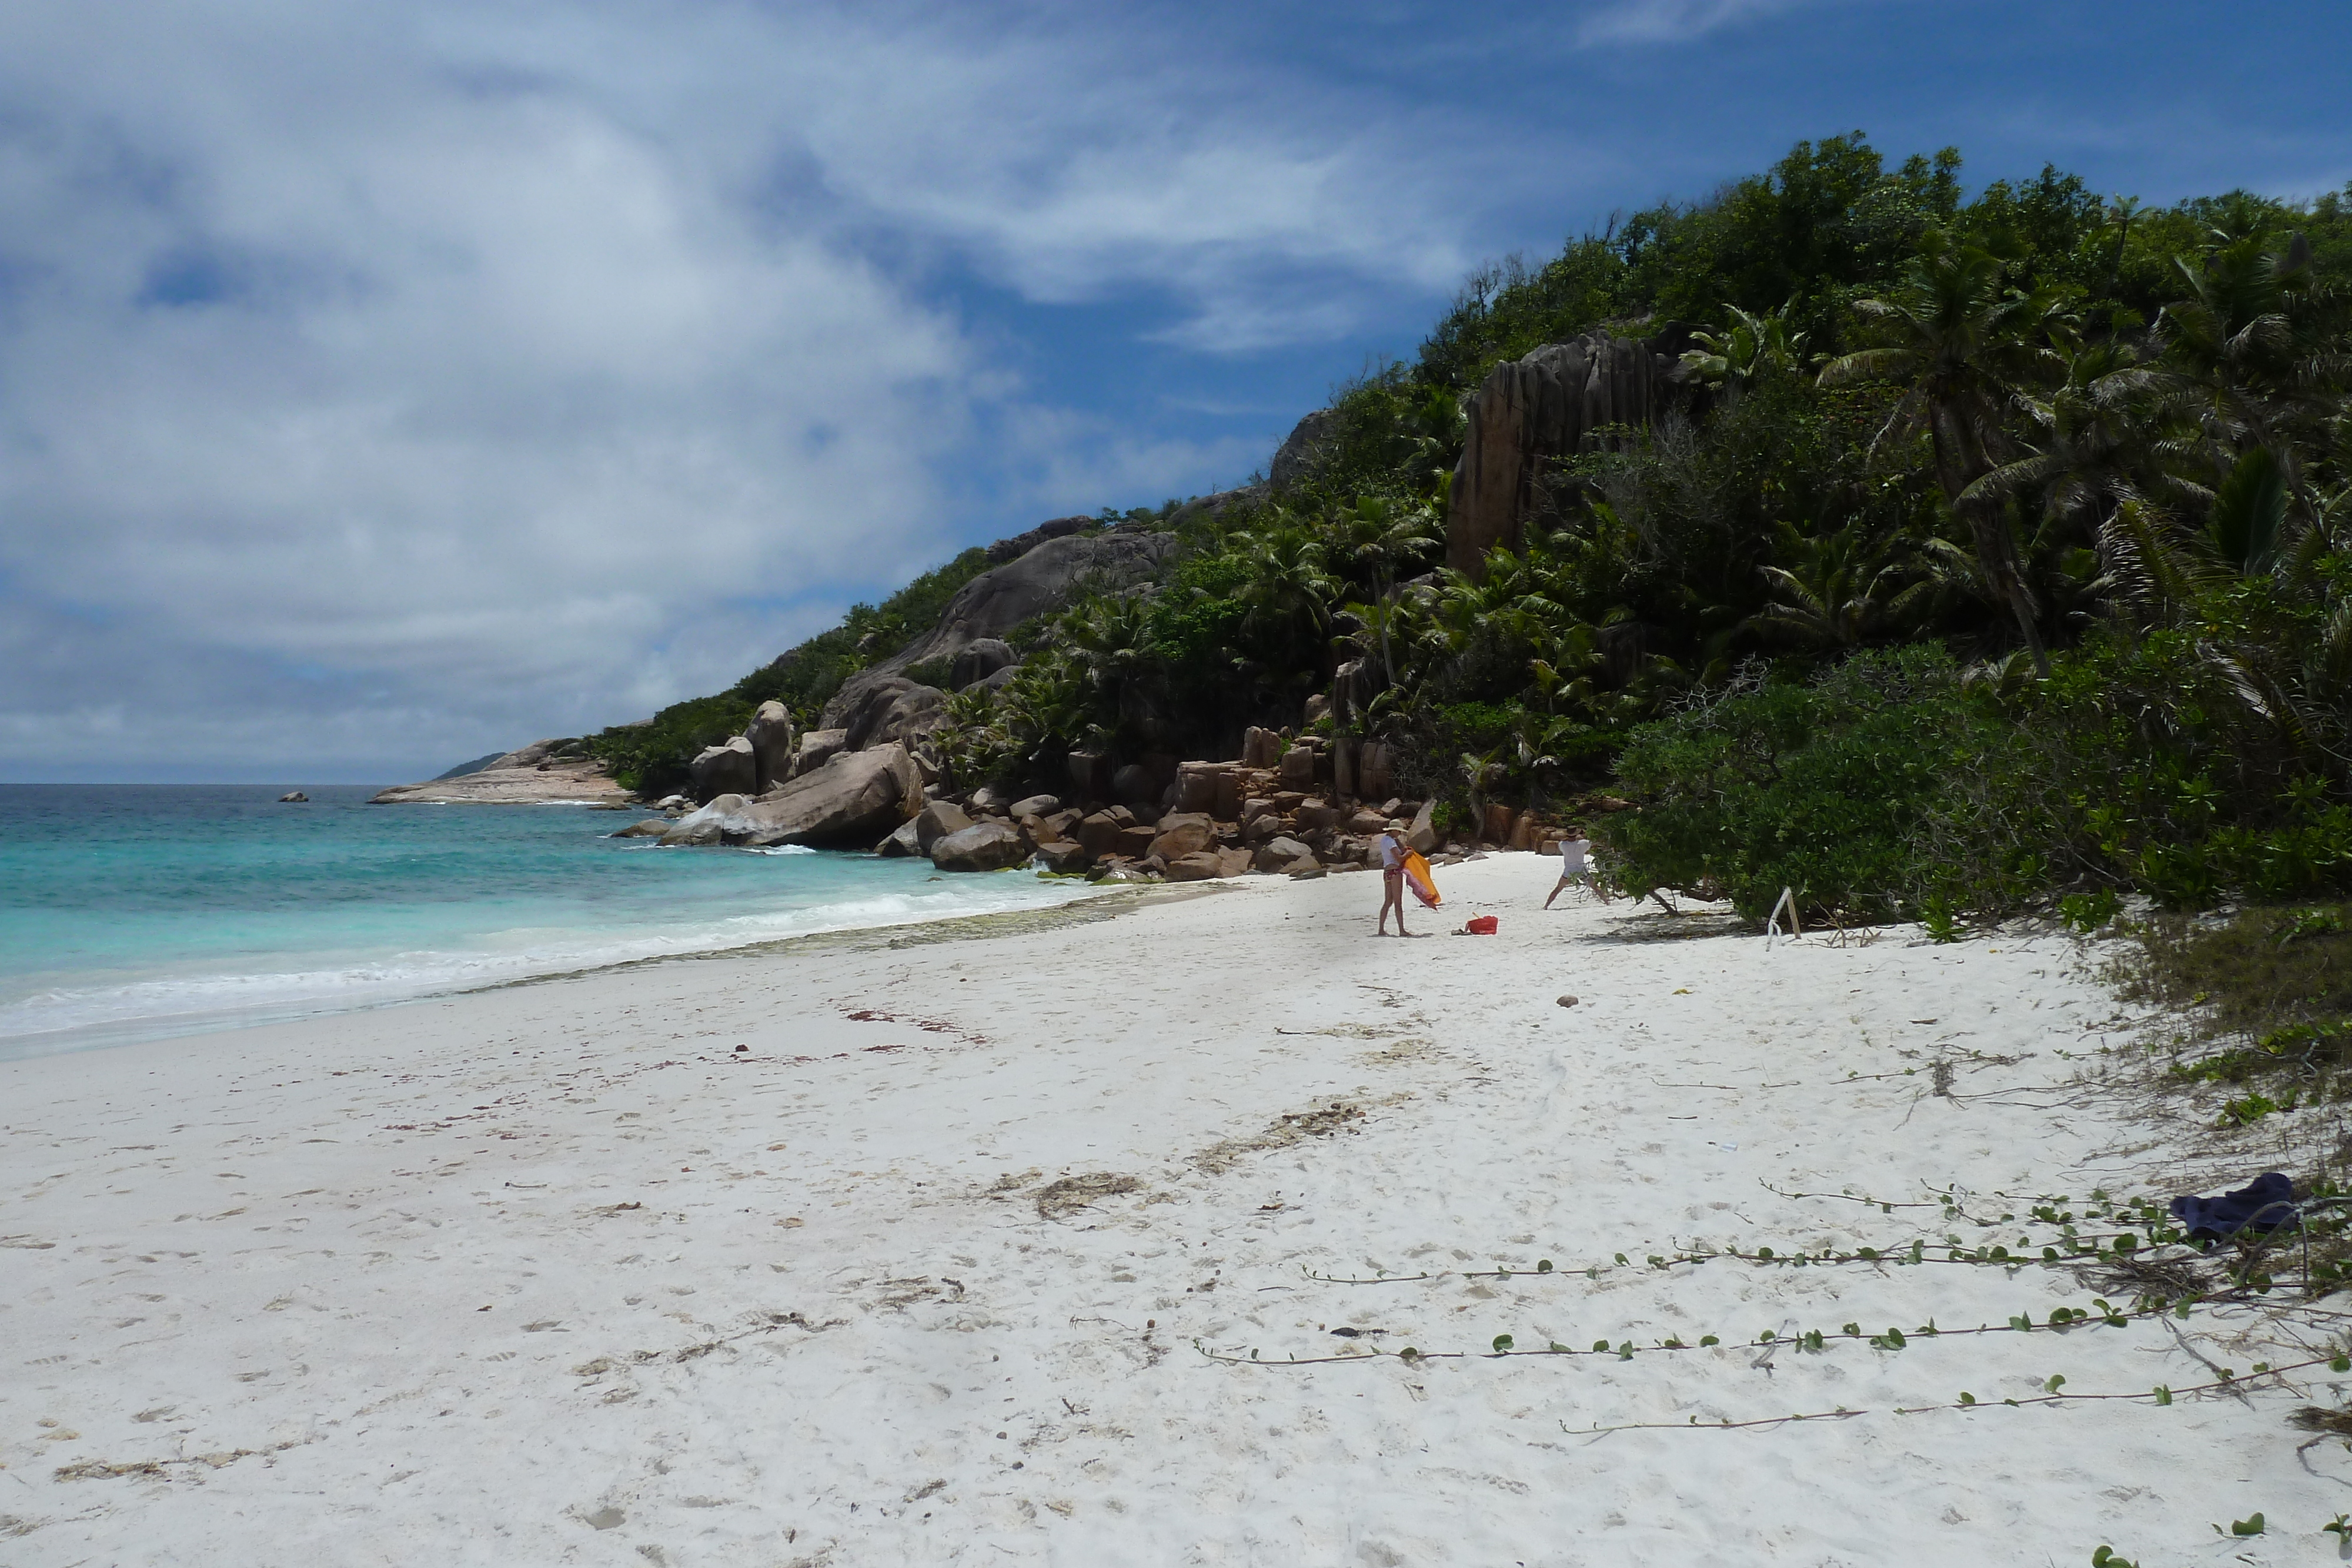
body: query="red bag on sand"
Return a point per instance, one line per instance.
(1481, 926)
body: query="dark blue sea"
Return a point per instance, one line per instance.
(130, 912)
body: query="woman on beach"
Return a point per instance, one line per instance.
(1391, 847)
(1573, 867)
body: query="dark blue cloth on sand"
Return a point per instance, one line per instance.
(2264, 1205)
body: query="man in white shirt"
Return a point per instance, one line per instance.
(1574, 868)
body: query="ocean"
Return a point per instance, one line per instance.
(135, 912)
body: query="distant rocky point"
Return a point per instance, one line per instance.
(475, 765)
(542, 772)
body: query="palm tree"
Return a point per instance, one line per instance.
(1378, 536)
(1966, 345)
(2097, 440)
(2121, 211)
(2249, 341)
(1290, 586)
(1435, 423)
(1849, 588)
(1109, 639)
(1752, 346)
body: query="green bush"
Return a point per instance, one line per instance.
(652, 758)
(1816, 786)
(1889, 783)
(2142, 764)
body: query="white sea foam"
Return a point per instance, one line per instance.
(194, 998)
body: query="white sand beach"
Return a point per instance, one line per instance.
(561, 1274)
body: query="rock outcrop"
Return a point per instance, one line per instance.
(1280, 853)
(938, 820)
(1294, 459)
(770, 735)
(1021, 543)
(849, 802)
(892, 708)
(981, 659)
(1550, 404)
(998, 600)
(984, 846)
(727, 769)
(1182, 833)
(542, 772)
(1209, 509)
(1064, 856)
(816, 748)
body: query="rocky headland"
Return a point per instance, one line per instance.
(542, 773)
(1294, 801)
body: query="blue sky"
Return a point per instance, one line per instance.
(380, 385)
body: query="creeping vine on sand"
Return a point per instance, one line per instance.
(2142, 1256)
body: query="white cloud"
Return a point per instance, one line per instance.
(1669, 20)
(390, 381)
(1073, 153)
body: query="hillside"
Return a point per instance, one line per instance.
(1922, 552)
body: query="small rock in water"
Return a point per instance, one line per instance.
(1567, 1001)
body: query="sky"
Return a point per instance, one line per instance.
(384, 385)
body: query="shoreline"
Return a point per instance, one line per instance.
(1084, 910)
(879, 1250)
(107, 1035)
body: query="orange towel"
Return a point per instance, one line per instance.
(1416, 877)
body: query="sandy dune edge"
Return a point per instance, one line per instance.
(556, 1274)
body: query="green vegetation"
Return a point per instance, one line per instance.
(2267, 995)
(2001, 559)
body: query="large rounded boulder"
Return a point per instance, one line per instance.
(981, 659)
(897, 709)
(851, 800)
(938, 820)
(770, 735)
(1183, 833)
(728, 768)
(816, 747)
(984, 846)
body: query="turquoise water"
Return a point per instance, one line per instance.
(133, 910)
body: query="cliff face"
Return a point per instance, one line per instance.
(1531, 412)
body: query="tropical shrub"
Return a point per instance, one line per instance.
(1817, 785)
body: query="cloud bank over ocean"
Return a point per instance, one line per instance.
(379, 386)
